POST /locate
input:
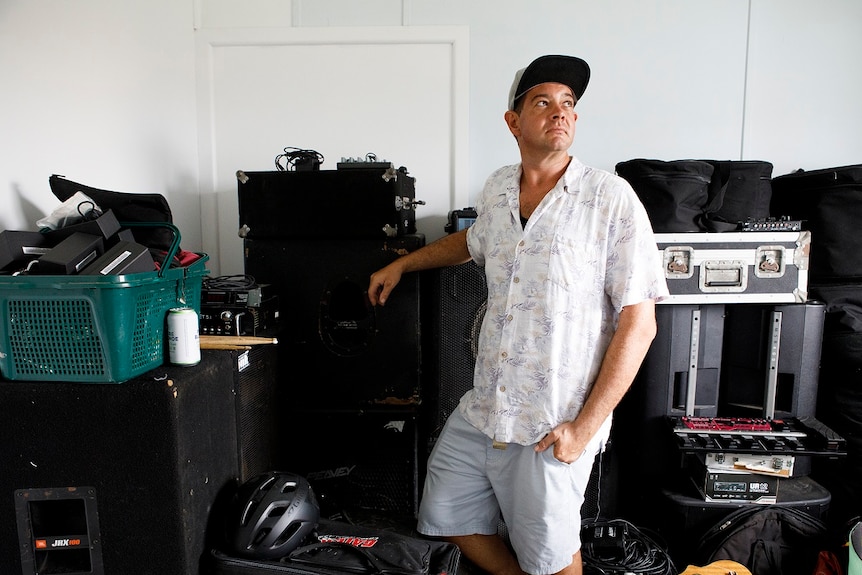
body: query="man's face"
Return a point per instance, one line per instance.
(547, 118)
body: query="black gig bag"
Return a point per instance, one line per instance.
(740, 190)
(339, 547)
(127, 207)
(700, 195)
(675, 193)
(767, 539)
(839, 394)
(829, 203)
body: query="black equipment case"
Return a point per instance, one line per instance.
(356, 202)
(339, 547)
(829, 203)
(736, 267)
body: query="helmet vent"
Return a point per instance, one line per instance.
(260, 536)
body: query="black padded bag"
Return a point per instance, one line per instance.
(839, 394)
(339, 548)
(740, 190)
(829, 203)
(769, 540)
(675, 193)
(127, 207)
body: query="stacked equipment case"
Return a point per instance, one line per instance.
(732, 373)
(348, 371)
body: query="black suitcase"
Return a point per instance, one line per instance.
(347, 203)
(339, 547)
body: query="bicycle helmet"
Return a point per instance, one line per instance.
(272, 514)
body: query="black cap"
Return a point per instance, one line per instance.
(568, 70)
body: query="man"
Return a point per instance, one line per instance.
(573, 273)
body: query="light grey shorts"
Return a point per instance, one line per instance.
(469, 484)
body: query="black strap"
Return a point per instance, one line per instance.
(310, 554)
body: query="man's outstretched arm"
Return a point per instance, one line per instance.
(449, 250)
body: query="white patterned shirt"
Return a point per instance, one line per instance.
(555, 290)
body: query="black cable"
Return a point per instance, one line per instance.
(229, 283)
(91, 214)
(599, 482)
(293, 157)
(628, 550)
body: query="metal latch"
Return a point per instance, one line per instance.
(769, 262)
(677, 262)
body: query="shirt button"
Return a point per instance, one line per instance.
(503, 388)
(509, 317)
(516, 280)
(521, 243)
(504, 354)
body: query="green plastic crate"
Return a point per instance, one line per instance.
(93, 329)
(99, 329)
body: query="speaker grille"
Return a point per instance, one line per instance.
(452, 315)
(256, 399)
(361, 356)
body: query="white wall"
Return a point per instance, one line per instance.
(105, 91)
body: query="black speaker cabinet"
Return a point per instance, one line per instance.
(680, 375)
(359, 355)
(681, 372)
(120, 478)
(686, 517)
(358, 200)
(771, 365)
(366, 460)
(453, 307)
(771, 359)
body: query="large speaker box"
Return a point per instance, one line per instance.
(685, 517)
(356, 461)
(681, 372)
(771, 359)
(771, 365)
(452, 312)
(680, 375)
(120, 478)
(360, 355)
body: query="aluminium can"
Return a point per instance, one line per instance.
(184, 344)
